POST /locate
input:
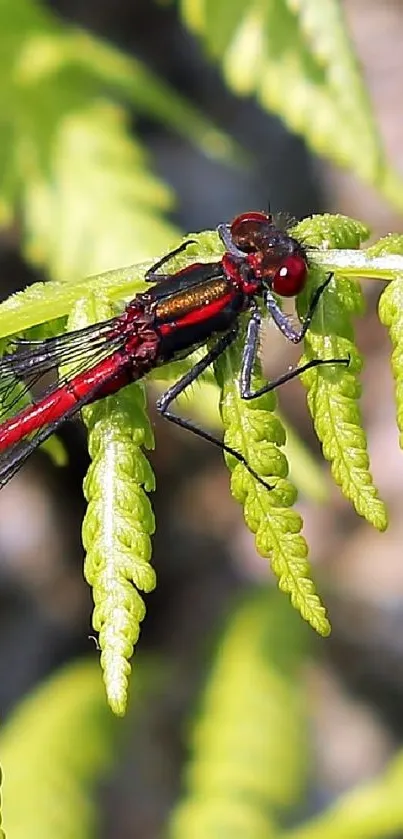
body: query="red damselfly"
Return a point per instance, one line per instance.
(178, 314)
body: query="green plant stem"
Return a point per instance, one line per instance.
(42, 302)
(47, 301)
(355, 263)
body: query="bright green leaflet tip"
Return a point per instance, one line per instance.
(253, 430)
(119, 520)
(331, 231)
(334, 390)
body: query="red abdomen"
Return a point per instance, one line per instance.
(110, 373)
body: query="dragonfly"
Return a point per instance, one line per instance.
(179, 313)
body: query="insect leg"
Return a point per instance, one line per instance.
(284, 322)
(152, 274)
(249, 356)
(224, 232)
(173, 392)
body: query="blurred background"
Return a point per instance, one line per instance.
(204, 556)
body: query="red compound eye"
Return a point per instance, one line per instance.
(290, 279)
(248, 229)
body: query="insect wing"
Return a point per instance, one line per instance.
(13, 458)
(30, 364)
(192, 276)
(29, 361)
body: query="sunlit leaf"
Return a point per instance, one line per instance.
(253, 430)
(119, 520)
(296, 58)
(334, 391)
(55, 748)
(249, 742)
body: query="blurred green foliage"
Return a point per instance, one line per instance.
(80, 185)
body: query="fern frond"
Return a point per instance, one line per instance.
(333, 392)
(390, 310)
(43, 49)
(43, 302)
(390, 244)
(252, 429)
(119, 520)
(116, 531)
(249, 742)
(98, 188)
(69, 167)
(330, 230)
(149, 94)
(50, 303)
(296, 57)
(202, 402)
(82, 185)
(372, 811)
(55, 747)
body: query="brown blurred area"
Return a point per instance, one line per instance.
(203, 554)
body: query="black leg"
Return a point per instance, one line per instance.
(249, 356)
(152, 275)
(173, 392)
(284, 322)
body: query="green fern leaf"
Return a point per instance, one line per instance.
(148, 94)
(49, 303)
(333, 392)
(391, 315)
(330, 231)
(54, 748)
(67, 162)
(106, 203)
(118, 521)
(249, 743)
(332, 400)
(87, 197)
(254, 431)
(44, 302)
(371, 811)
(43, 49)
(116, 531)
(301, 47)
(390, 244)
(202, 402)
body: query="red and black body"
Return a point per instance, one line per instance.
(181, 312)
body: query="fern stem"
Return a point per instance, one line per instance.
(354, 263)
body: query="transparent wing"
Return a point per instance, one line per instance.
(41, 356)
(26, 362)
(35, 365)
(12, 459)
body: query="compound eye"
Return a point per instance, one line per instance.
(249, 229)
(290, 278)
